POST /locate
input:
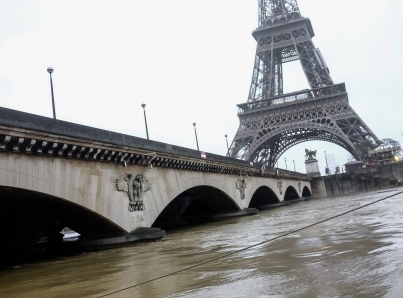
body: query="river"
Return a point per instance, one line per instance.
(359, 254)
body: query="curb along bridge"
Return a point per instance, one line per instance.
(110, 186)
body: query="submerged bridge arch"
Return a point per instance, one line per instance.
(263, 195)
(271, 191)
(291, 194)
(179, 190)
(200, 201)
(306, 192)
(32, 216)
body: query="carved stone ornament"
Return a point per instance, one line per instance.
(241, 185)
(280, 186)
(135, 187)
(299, 186)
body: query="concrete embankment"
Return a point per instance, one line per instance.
(369, 178)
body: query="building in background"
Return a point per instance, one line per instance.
(384, 154)
(331, 161)
(353, 165)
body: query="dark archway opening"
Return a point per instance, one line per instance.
(306, 192)
(32, 222)
(195, 205)
(263, 196)
(290, 194)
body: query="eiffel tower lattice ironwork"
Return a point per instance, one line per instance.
(271, 122)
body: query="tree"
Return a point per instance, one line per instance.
(364, 147)
(350, 157)
(390, 143)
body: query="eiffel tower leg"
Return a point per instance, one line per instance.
(313, 64)
(278, 75)
(267, 78)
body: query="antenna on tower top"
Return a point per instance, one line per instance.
(273, 12)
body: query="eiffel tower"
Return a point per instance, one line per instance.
(272, 122)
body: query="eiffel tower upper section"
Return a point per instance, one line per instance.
(283, 36)
(271, 121)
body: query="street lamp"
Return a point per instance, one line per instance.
(285, 160)
(50, 70)
(294, 165)
(227, 145)
(145, 118)
(197, 143)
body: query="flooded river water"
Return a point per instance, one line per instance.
(359, 254)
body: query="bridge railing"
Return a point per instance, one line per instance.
(291, 98)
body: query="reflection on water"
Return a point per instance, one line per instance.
(357, 255)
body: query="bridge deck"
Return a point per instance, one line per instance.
(47, 136)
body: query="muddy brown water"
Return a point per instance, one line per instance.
(357, 255)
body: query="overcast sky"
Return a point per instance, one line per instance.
(189, 61)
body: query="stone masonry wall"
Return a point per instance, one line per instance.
(370, 178)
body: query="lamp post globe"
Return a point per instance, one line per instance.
(50, 69)
(143, 105)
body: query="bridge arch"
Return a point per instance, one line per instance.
(306, 192)
(264, 195)
(290, 194)
(198, 203)
(30, 217)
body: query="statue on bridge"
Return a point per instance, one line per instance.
(310, 155)
(134, 186)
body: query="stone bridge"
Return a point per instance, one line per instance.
(102, 184)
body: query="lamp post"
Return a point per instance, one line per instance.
(197, 143)
(227, 145)
(145, 118)
(285, 160)
(327, 166)
(294, 165)
(50, 70)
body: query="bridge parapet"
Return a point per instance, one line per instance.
(31, 134)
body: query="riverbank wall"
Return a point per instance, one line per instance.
(365, 179)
